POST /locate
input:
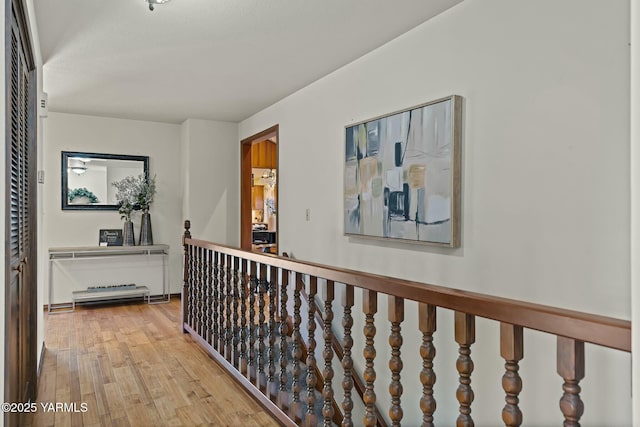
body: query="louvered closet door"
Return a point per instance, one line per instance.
(20, 286)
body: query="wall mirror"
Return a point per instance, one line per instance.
(87, 178)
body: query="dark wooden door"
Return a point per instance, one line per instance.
(20, 245)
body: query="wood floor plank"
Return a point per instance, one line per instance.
(131, 365)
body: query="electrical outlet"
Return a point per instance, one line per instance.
(40, 177)
(308, 214)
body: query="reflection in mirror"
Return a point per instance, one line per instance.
(87, 178)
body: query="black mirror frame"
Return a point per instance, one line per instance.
(65, 190)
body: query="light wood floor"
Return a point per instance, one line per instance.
(132, 366)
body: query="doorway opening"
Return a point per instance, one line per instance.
(259, 192)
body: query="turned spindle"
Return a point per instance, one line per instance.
(370, 308)
(296, 387)
(571, 369)
(261, 381)
(229, 303)
(310, 419)
(283, 395)
(512, 351)
(347, 361)
(209, 299)
(465, 334)
(201, 293)
(243, 317)
(427, 325)
(396, 316)
(327, 373)
(253, 289)
(235, 319)
(216, 301)
(196, 289)
(271, 368)
(222, 303)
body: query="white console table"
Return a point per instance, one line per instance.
(71, 254)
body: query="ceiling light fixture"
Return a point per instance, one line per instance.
(77, 166)
(79, 170)
(269, 178)
(152, 2)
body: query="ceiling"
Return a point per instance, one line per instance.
(208, 59)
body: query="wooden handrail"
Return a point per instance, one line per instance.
(591, 328)
(220, 290)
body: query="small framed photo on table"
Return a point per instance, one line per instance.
(110, 237)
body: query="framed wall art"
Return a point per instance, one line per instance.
(402, 175)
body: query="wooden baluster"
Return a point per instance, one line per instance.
(296, 405)
(202, 294)
(216, 301)
(396, 316)
(243, 317)
(347, 361)
(271, 369)
(209, 281)
(571, 369)
(283, 395)
(465, 333)
(191, 287)
(236, 318)
(203, 301)
(200, 287)
(222, 302)
(253, 289)
(229, 314)
(370, 308)
(261, 381)
(512, 351)
(427, 324)
(327, 373)
(185, 275)
(311, 419)
(195, 289)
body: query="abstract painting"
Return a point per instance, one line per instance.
(402, 175)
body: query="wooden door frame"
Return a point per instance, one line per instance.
(245, 184)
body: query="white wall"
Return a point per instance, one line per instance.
(635, 201)
(545, 211)
(159, 141)
(211, 193)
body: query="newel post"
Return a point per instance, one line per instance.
(185, 272)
